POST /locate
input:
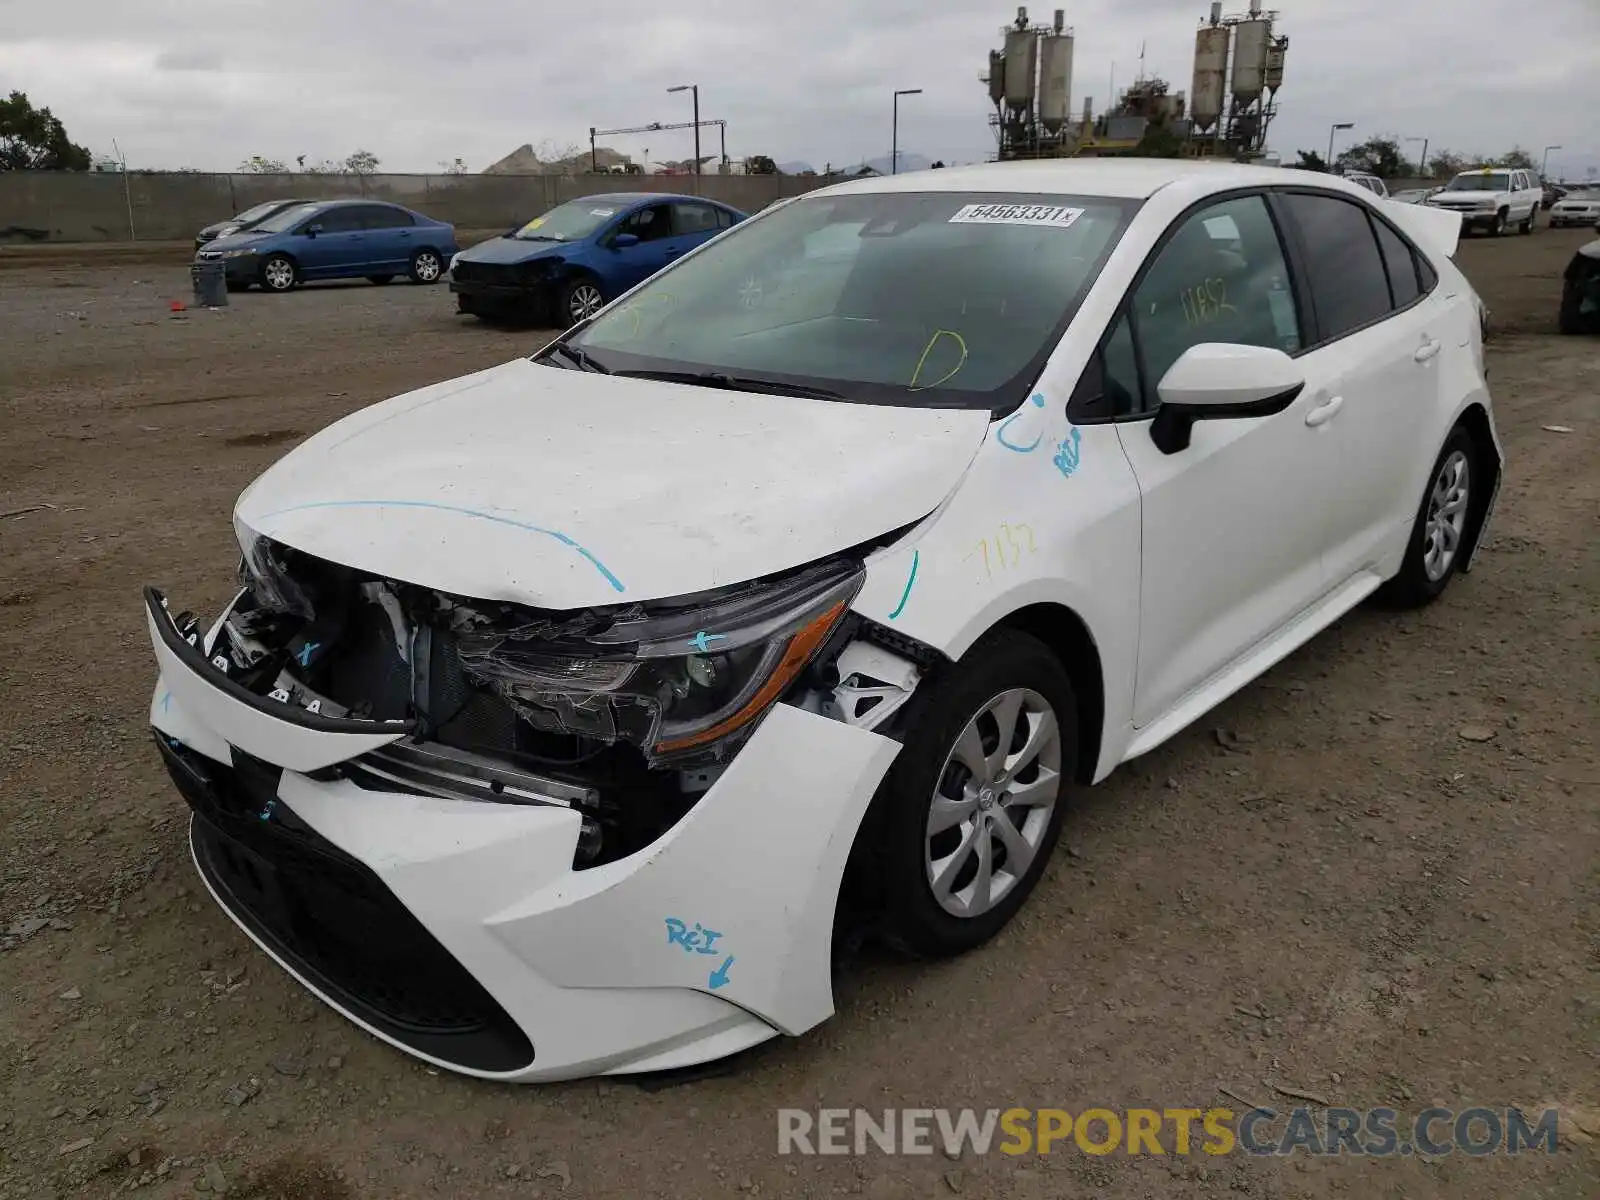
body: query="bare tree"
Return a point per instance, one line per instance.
(256, 165)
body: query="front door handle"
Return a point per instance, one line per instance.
(1325, 411)
(1427, 350)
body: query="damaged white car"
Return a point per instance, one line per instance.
(566, 713)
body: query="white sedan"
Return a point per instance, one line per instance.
(566, 710)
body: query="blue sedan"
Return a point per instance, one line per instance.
(583, 254)
(334, 239)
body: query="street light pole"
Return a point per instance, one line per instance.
(694, 90)
(1422, 165)
(1332, 129)
(1545, 161)
(894, 134)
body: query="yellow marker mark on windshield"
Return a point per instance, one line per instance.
(927, 350)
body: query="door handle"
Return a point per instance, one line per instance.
(674, 253)
(1324, 412)
(1427, 350)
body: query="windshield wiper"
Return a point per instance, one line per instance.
(582, 357)
(735, 383)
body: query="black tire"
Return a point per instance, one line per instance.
(895, 846)
(1527, 226)
(380, 280)
(273, 276)
(1412, 586)
(1498, 229)
(426, 266)
(1570, 321)
(580, 296)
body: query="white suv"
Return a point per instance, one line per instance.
(1372, 183)
(1492, 198)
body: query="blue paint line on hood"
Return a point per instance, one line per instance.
(451, 508)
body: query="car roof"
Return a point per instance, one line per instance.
(643, 198)
(1124, 179)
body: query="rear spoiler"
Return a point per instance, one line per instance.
(1437, 230)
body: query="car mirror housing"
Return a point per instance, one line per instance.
(313, 229)
(1222, 381)
(623, 240)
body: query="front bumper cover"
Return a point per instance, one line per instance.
(534, 971)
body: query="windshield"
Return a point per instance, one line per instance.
(259, 211)
(570, 222)
(936, 299)
(286, 220)
(1480, 183)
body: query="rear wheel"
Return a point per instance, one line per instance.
(1439, 535)
(1527, 226)
(380, 280)
(426, 267)
(278, 273)
(968, 815)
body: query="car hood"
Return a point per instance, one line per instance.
(234, 240)
(509, 250)
(564, 489)
(1472, 195)
(212, 229)
(1590, 249)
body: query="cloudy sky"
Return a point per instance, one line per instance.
(179, 84)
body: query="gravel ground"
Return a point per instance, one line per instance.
(1323, 885)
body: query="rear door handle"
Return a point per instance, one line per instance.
(1427, 350)
(1325, 411)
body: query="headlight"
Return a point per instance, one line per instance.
(683, 679)
(262, 569)
(454, 259)
(239, 252)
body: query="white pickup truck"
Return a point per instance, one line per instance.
(1492, 198)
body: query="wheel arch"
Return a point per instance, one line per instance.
(1068, 637)
(1489, 460)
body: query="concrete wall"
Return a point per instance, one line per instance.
(68, 206)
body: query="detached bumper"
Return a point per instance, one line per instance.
(459, 931)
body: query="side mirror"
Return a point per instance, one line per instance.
(1217, 381)
(313, 229)
(623, 240)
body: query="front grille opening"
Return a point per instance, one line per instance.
(333, 920)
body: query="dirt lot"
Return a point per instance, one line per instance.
(1338, 892)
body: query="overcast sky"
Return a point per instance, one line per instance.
(179, 84)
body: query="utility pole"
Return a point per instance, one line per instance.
(894, 135)
(1332, 129)
(694, 90)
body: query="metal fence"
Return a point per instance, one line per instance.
(70, 206)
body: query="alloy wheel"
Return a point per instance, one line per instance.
(427, 266)
(992, 805)
(584, 301)
(279, 274)
(1447, 516)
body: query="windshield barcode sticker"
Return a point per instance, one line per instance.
(1016, 214)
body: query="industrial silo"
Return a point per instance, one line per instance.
(1250, 42)
(1055, 80)
(1275, 55)
(997, 77)
(1210, 75)
(1022, 60)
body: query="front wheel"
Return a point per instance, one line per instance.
(973, 805)
(278, 273)
(1499, 226)
(580, 300)
(1439, 535)
(380, 280)
(426, 267)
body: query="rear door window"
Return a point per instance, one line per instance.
(1349, 282)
